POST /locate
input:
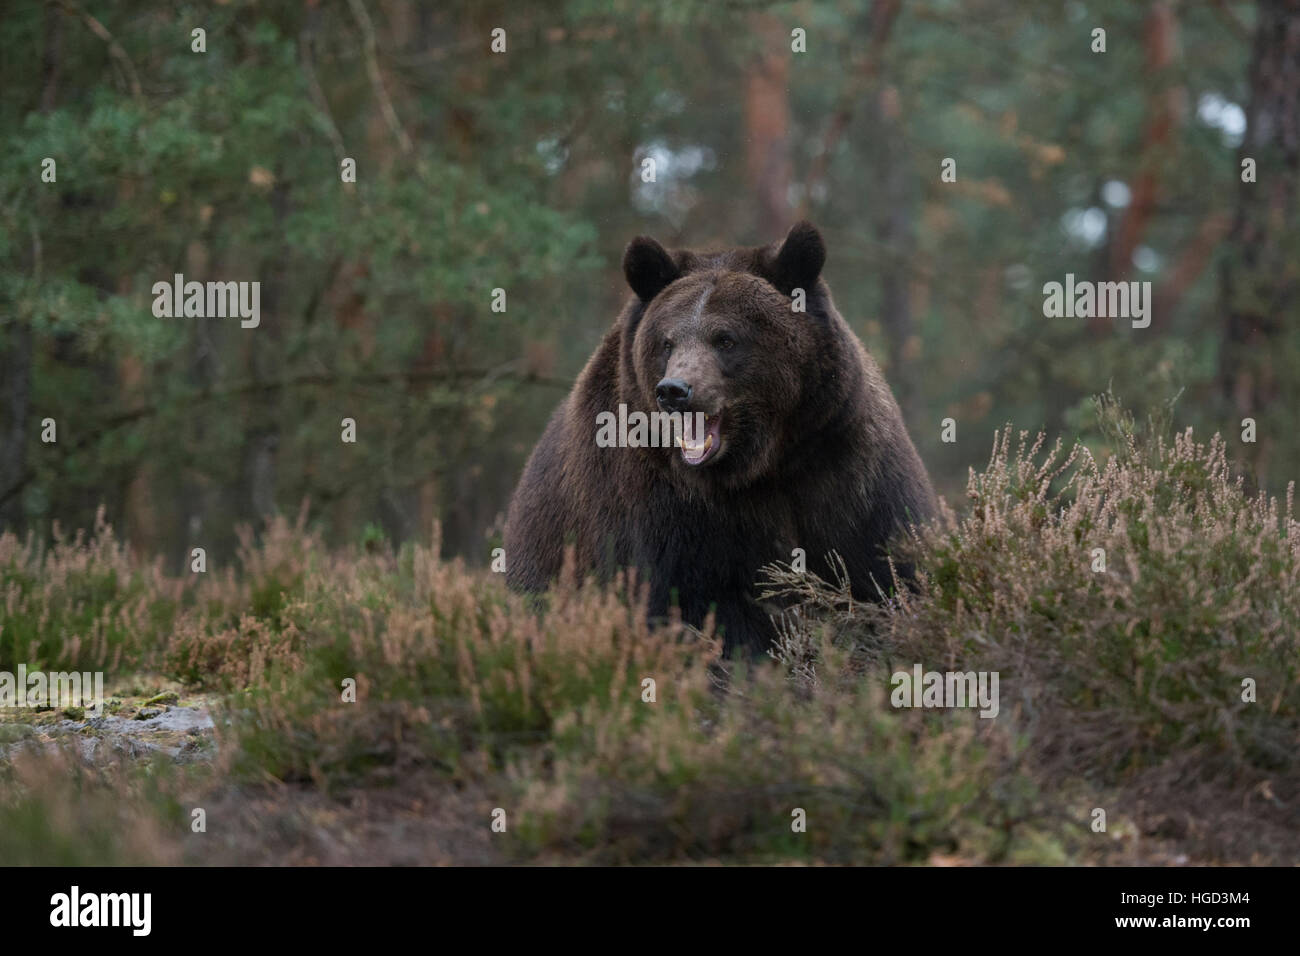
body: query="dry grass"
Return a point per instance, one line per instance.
(1119, 689)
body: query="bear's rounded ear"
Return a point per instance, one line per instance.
(648, 267)
(799, 262)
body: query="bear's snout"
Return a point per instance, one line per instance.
(673, 395)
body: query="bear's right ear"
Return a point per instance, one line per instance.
(648, 267)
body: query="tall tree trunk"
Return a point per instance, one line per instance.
(264, 351)
(884, 142)
(200, 501)
(767, 128)
(895, 229)
(1261, 274)
(1164, 107)
(15, 373)
(16, 344)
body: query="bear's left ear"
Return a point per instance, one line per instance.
(799, 262)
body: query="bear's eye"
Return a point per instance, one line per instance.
(668, 347)
(724, 342)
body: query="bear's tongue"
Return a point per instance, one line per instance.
(697, 450)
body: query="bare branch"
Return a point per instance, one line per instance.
(114, 48)
(376, 78)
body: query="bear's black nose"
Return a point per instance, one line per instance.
(673, 395)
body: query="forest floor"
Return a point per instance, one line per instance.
(419, 819)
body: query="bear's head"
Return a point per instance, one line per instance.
(733, 340)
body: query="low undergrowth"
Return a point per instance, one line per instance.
(1140, 610)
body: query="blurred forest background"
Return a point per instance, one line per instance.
(521, 171)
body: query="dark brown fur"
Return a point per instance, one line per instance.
(814, 452)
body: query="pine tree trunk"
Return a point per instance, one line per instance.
(767, 128)
(1260, 274)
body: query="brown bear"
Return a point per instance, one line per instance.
(789, 438)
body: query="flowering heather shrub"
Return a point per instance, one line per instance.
(239, 627)
(446, 663)
(723, 780)
(79, 603)
(86, 603)
(1126, 668)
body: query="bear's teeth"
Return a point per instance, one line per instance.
(696, 450)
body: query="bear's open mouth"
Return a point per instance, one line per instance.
(696, 450)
